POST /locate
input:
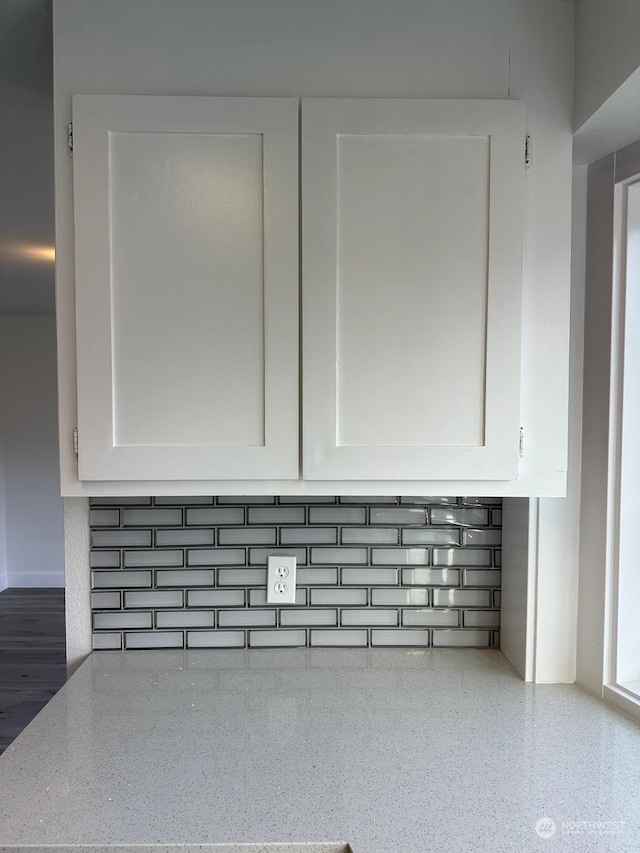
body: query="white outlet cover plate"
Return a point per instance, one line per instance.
(281, 580)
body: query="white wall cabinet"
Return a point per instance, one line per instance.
(412, 282)
(186, 221)
(186, 239)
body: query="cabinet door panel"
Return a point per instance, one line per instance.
(412, 270)
(186, 279)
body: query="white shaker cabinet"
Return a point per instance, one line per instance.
(412, 288)
(187, 213)
(186, 242)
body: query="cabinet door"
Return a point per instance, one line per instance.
(412, 288)
(186, 224)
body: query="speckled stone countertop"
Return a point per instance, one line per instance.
(387, 750)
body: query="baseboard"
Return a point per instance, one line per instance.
(29, 580)
(4, 581)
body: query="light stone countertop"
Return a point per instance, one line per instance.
(390, 751)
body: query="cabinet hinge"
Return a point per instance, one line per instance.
(521, 443)
(527, 151)
(70, 139)
(75, 442)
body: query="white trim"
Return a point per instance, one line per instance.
(35, 580)
(612, 675)
(78, 581)
(622, 698)
(532, 591)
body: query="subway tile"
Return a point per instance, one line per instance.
(339, 556)
(242, 577)
(276, 515)
(120, 538)
(462, 598)
(497, 598)
(258, 598)
(215, 515)
(400, 597)
(203, 536)
(350, 637)
(429, 501)
(104, 517)
(466, 516)
(247, 536)
(105, 559)
(153, 640)
(338, 596)
(461, 557)
(401, 637)
(497, 558)
(478, 577)
(443, 542)
(107, 641)
(368, 499)
(122, 620)
(369, 536)
(306, 499)
(171, 500)
(337, 515)
(215, 639)
(399, 515)
(185, 619)
(432, 618)
(308, 617)
(431, 536)
(368, 616)
(369, 577)
(430, 577)
(400, 556)
(482, 537)
(156, 557)
(185, 577)
(267, 639)
(153, 517)
(154, 598)
(258, 556)
(329, 577)
(216, 597)
(481, 618)
(244, 499)
(245, 618)
(120, 580)
(459, 638)
(106, 600)
(133, 501)
(308, 536)
(216, 557)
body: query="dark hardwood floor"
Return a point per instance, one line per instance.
(32, 655)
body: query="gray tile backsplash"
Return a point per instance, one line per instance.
(189, 572)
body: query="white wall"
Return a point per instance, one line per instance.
(607, 51)
(596, 489)
(26, 157)
(33, 520)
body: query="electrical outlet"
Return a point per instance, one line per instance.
(281, 580)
